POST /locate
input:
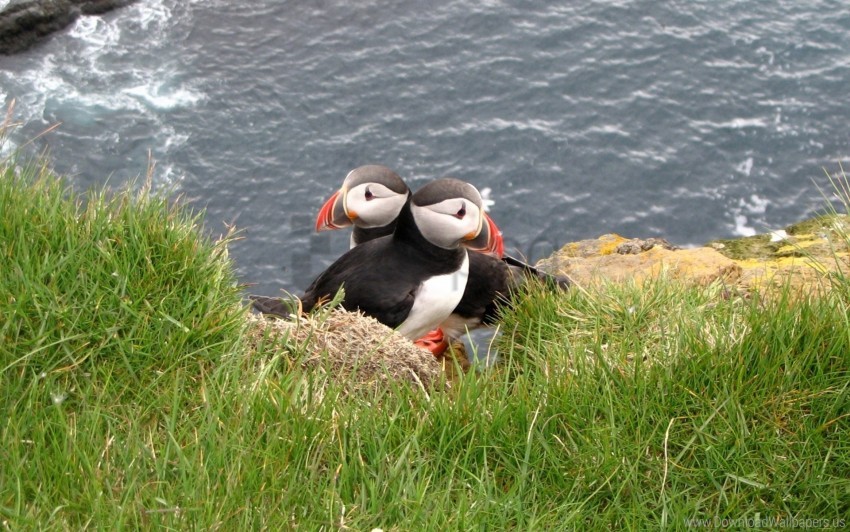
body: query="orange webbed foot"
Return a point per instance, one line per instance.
(434, 341)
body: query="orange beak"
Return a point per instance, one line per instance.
(332, 215)
(489, 239)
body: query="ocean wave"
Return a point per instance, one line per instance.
(153, 14)
(708, 126)
(744, 211)
(550, 128)
(97, 33)
(158, 96)
(746, 166)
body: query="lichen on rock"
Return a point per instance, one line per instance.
(800, 256)
(614, 258)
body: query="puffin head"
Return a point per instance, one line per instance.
(370, 196)
(449, 213)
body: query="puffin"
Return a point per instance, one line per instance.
(370, 198)
(367, 200)
(414, 278)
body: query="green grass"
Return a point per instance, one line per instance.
(129, 401)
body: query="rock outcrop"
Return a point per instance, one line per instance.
(614, 258)
(800, 255)
(25, 22)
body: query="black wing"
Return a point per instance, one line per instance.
(487, 288)
(374, 279)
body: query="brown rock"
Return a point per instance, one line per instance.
(801, 256)
(614, 258)
(637, 245)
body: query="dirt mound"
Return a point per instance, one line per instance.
(353, 350)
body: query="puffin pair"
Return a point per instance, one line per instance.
(371, 197)
(376, 201)
(415, 277)
(369, 200)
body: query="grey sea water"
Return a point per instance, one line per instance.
(687, 120)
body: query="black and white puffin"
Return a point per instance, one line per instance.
(372, 215)
(414, 278)
(370, 198)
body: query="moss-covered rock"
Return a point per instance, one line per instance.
(801, 255)
(817, 237)
(612, 257)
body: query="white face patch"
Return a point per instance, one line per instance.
(374, 204)
(447, 223)
(435, 300)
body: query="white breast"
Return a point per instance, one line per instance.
(435, 300)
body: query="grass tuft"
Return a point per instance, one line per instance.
(666, 402)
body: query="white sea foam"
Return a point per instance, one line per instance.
(96, 74)
(544, 126)
(740, 123)
(741, 227)
(168, 175)
(707, 126)
(746, 166)
(153, 14)
(85, 81)
(650, 155)
(97, 32)
(778, 236)
(485, 198)
(550, 128)
(7, 148)
(158, 96)
(755, 205)
(609, 129)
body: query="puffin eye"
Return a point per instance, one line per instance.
(461, 213)
(369, 195)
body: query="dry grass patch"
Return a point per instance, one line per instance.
(351, 349)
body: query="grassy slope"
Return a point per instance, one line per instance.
(129, 401)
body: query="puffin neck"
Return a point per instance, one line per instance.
(407, 233)
(362, 234)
